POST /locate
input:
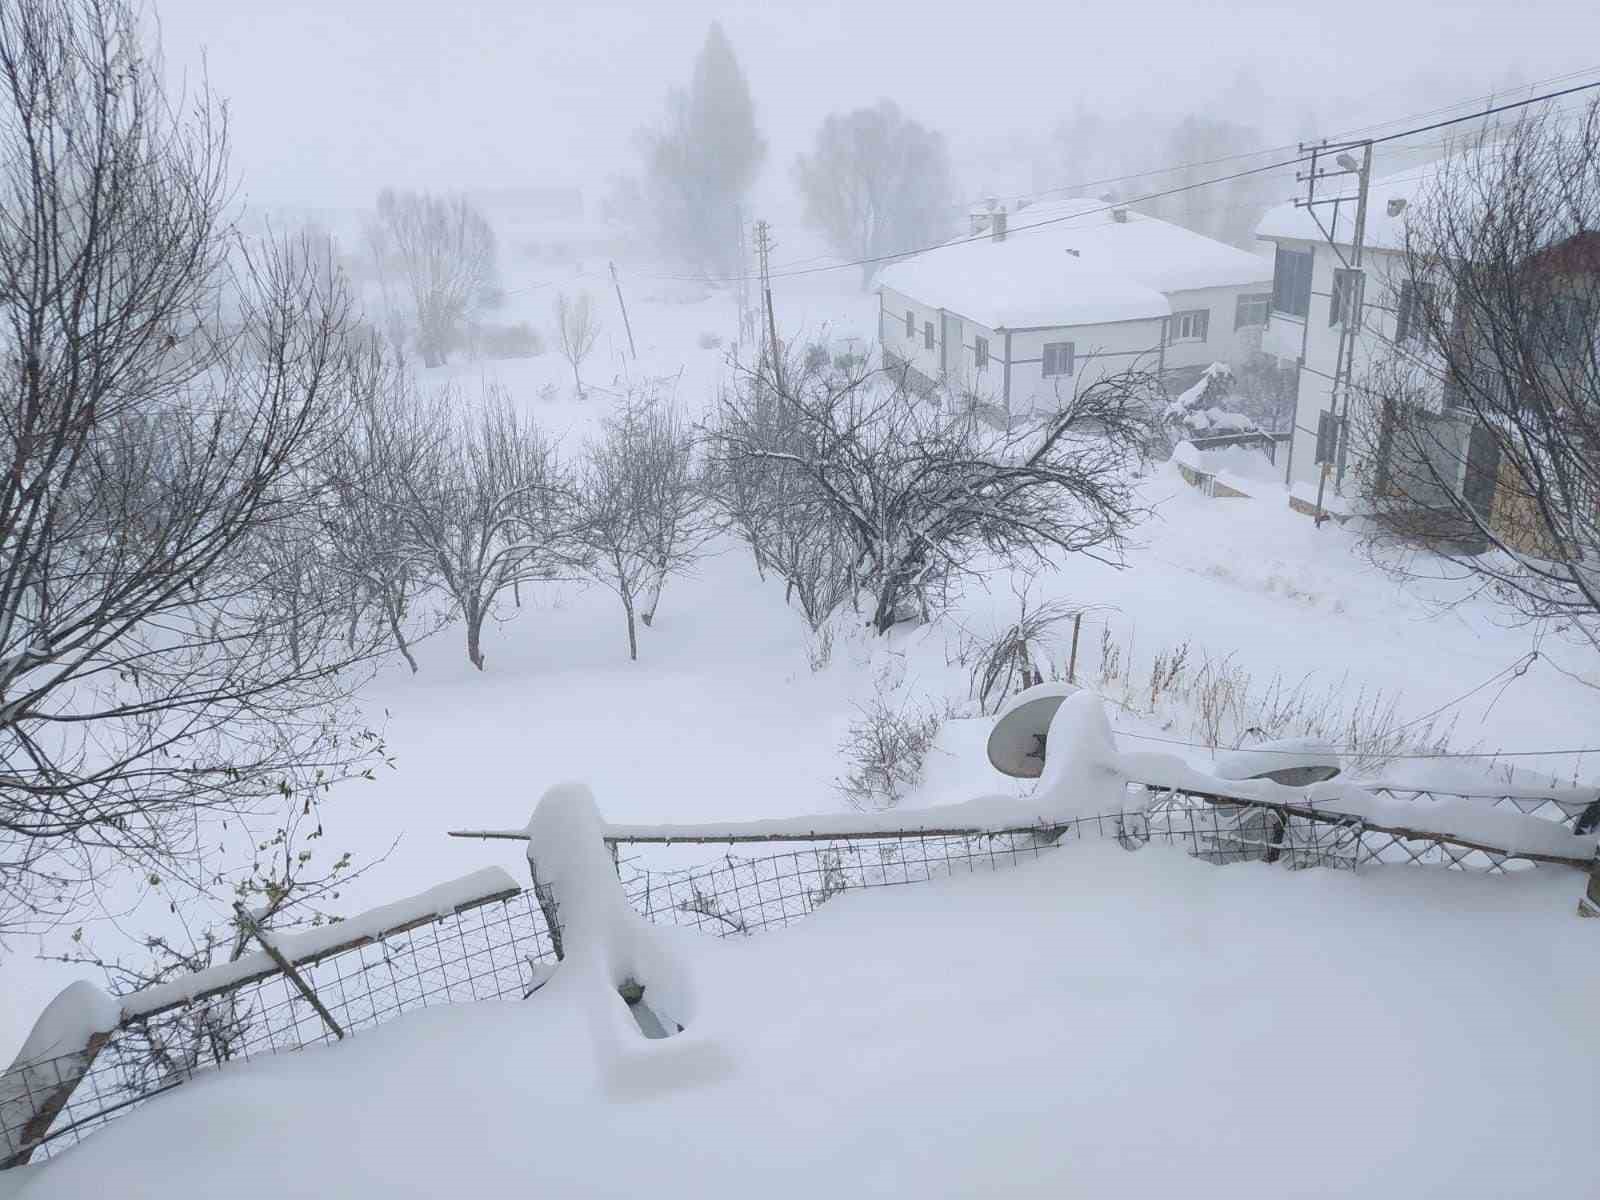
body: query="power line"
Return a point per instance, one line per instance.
(1280, 149)
(1304, 156)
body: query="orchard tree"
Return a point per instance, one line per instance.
(442, 251)
(925, 496)
(701, 161)
(876, 183)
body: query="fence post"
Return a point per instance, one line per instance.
(53, 1061)
(249, 924)
(1589, 902)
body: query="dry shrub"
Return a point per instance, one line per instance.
(1222, 702)
(885, 751)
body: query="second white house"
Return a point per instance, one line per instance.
(1050, 297)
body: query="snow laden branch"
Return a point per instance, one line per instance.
(172, 641)
(1479, 425)
(846, 454)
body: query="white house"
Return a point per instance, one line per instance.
(1056, 294)
(1310, 279)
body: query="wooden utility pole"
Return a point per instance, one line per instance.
(763, 251)
(626, 324)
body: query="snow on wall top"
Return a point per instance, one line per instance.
(1121, 270)
(305, 944)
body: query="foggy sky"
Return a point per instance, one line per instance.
(332, 98)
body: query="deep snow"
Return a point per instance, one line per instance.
(1095, 1023)
(722, 718)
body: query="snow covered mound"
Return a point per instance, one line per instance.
(1096, 1023)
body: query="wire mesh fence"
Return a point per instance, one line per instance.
(490, 951)
(501, 948)
(739, 894)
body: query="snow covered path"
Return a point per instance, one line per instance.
(1097, 1023)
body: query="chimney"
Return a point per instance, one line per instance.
(1119, 215)
(998, 232)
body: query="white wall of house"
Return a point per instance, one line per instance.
(1097, 351)
(1317, 337)
(914, 349)
(1224, 342)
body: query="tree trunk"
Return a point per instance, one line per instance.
(633, 637)
(577, 382)
(473, 610)
(399, 636)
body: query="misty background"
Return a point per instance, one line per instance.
(329, 102)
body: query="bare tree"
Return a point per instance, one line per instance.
(384, 571)
(174, 387)
(444, 251)
(642, 504)
(776, 510)
(485, 505)
(921, 493)
(576, 330)
(1478, 431)
(877, 183)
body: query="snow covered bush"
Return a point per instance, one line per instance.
(1201, 410)
(1009, 661)
(884, 751)
(517, 340)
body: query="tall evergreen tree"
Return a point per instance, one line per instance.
(702, 161)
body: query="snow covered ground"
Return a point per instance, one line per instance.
(722, 717)
(1095, 1023)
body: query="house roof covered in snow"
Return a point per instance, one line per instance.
(1386, 215)
(1070, 262)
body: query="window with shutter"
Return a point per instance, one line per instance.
(1058, 358)
(1291, 282)
(927, 335)
(1343, 302)
(1327, 437)
(1251, 310)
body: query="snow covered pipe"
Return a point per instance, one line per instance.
(597, 934)
(50, 1065)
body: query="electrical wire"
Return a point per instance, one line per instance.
(1304, 156)
(1285, 147)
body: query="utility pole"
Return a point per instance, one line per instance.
(764, 250)
(626, 324)
(1349, 288)
(747, 316)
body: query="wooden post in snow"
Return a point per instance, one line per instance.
(53, 1061)
(287, 967)
(626, 324)
(1589, 902)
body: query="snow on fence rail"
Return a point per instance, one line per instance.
(483, 937)
(476, 938)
